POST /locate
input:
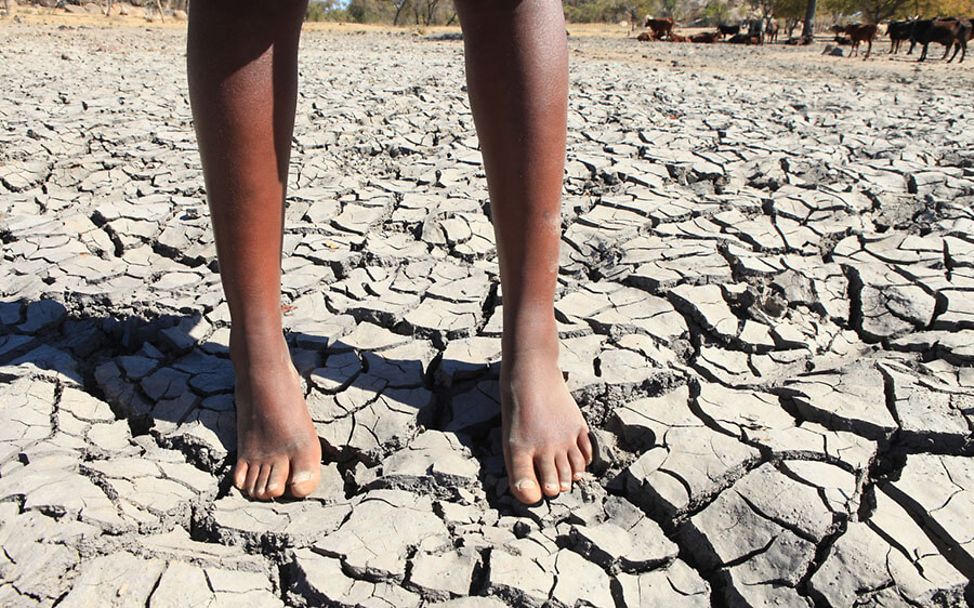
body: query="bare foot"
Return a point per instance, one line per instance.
(277, 445)
(546, 444)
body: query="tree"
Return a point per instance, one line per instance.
(808, 28)
(399, 5)
(875, 11)
(792, 11)
(716, 12)
(763, 7)
(632, 11)
(667, 8)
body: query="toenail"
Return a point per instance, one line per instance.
(577, 476)
(524, 484)
(550, 486)
(301, 477)
(566, 486)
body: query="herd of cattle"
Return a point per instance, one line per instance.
(751, 31)
(952, 32)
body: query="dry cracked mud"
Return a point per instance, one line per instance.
(766, 307)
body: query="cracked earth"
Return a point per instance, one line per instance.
(765, 308)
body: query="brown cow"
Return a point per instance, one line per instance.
(705, 37)
(662, 28)
(857, 33)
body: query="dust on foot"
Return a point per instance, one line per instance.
(545, 438)
(278, 449)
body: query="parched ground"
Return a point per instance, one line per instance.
(766, 309)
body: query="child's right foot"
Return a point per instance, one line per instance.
(277, 445)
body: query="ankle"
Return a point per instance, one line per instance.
(530, 337)
(250, 343)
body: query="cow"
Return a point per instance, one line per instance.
(966, 35)
(965, 32)
(644, 37)
(858, 33)
(662, 28)
(705, 37)
(755, 28)
(726, 29)
(744, 39)
(898, 32)
(950, 32)
(771, 31)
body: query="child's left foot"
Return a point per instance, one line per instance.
(545, 438)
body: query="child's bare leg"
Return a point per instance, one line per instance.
(517, 78)
(242, 65)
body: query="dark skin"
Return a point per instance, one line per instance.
(242, 65)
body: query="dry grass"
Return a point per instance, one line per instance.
(50, 16)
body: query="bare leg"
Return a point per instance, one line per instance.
(242, 64)
(517, 78)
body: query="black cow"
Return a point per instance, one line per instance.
(899, 32)
(950, 32)
(727, 29)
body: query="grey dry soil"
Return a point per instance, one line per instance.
(766, 311)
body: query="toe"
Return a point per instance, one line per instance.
(277, 479)
(524, 485)
(577, 462)
(548, 474)
(302, 483)
(260, 486)
(585, 446)
(564, 472)
(240, 474)
(305, 473)
(253, 472)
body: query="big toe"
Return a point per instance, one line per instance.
(305, 474)
(523, 482)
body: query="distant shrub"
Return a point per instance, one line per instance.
(327, 10)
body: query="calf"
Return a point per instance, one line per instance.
(662, 28)
(859, 33)
(952, 33)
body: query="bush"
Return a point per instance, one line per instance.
(325, 10)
